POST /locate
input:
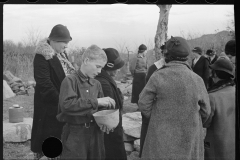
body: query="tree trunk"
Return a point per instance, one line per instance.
(162, 28)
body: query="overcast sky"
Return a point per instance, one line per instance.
(112, 25)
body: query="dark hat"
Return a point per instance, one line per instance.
(142, 48)
(210, 52)
(230, 47)
(163, 46)
(177, 47)
(224, 65)
(114, 61)
(197, 50)
(60, 33)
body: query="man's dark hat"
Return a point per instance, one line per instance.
(210, 52)
(114, 61)
(197, 50)
(223, 64)
(60, 33)
(230, 47)
(177, 47)
(142, 48)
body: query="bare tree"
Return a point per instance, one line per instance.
(33, 35)
(162, 29)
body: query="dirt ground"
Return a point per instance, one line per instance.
(13, 151)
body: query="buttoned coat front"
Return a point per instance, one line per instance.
(177, 102)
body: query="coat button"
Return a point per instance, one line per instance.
(91, 121)
(86, 90)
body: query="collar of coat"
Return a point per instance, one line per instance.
(83, 78)
(105, 75)
(220, 85)
(45, 49)
(177, 63)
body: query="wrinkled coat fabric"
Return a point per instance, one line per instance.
(220, 138)
(177, 102)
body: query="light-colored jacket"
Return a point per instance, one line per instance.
(220, 138)
(138, 64)
(177, 102)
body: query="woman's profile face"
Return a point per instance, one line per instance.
(59, 47)
(113, 73)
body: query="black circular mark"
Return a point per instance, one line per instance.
(211, 1)
(121, 1)
(181, 1)
(52, 147)
(62, 1)
(92, 1)
(32, 1)
(151, 1)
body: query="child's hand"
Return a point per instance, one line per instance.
(105, 129)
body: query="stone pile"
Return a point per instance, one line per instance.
(16, 84)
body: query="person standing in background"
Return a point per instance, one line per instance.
(200, 65)
(138, 71)
(220, 138)
(113, 142)
(211, 56)
(51, 66)
(145, 121)
(230, 50)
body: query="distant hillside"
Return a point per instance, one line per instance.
(207, 41)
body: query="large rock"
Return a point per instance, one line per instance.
(132, 123)
(7, 91)
(17, 132)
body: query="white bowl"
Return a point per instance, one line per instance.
(109, 118)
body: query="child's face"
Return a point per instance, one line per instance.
(93, 67)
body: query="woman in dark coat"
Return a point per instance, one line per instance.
(114, 145)
(138, 70)
(51, 65)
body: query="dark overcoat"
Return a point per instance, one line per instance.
(177, 103)
(202, 69)
(220, 139)
(48, 74)
(114, 145)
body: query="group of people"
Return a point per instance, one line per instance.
(173, 100)
(66, 98)
(177, 101)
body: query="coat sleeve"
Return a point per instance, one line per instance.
(206, 72)
(71, 104)
(147, 97)
(48, 91)
(213, 107)
(204, 103)
(150, 71)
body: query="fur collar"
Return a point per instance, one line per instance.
(45, 49)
